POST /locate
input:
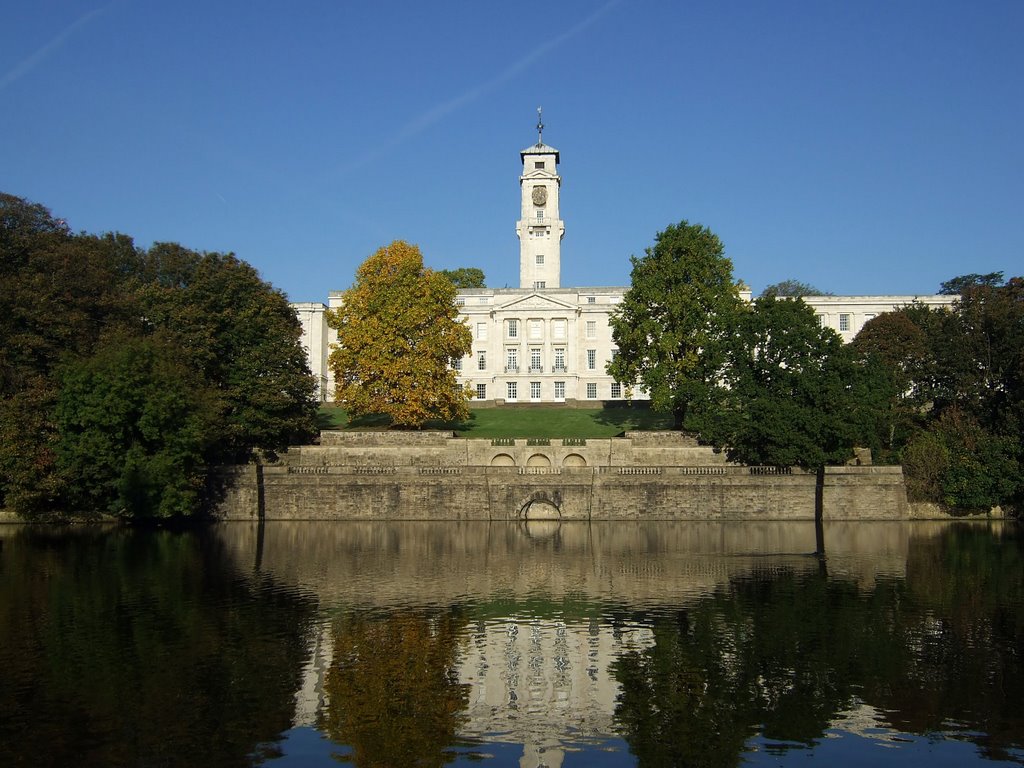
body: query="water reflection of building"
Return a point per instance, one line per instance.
(542, 683)
(539, 638)
(539, 682)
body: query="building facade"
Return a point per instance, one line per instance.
(542, 343)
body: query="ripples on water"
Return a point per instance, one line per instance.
(425, 644)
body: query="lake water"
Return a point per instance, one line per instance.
(495, 644)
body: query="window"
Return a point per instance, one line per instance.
(540, 259)
(540, 214)
(481, 331)
(591, 359)
(456, 363)
(538, 165)
(481, 391)
(591, 299)
(535, 390)
(591, 391)
(539, 284)
(536, 329)
(820, 320)
(513, 329)
(616, 390)
(844, 322)
(512, 360)
(591, 329)
(559, 359)
(510, 390)
(559, 390)
(460, 302)
(481, 361)
(558, 329)
(535, 360)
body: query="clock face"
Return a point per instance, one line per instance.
(540, 195)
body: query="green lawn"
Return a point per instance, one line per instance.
(525, 421)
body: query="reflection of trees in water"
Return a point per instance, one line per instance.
(787, 653)
(758, 655)
(393, 687)
(962, 660)
(142, 648)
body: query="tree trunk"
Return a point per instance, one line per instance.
(678, 417)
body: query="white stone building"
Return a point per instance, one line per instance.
(541, 343)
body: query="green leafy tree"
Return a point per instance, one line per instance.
(963, 283)
(245, 340)
(992, 327)
(670, 327)
(29, 481)
(959, 375)
(789, 400)
(58, 293)
(982, 470)
(229, 339)
(135, 422)
(398, 330)
(464, 277)
(898, 347)
(792, 289)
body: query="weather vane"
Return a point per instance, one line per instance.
(540, 128)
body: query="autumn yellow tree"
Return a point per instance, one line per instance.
(398, 331)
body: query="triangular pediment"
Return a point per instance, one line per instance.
(539, 174)
(537, 301)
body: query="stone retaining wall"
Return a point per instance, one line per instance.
(421, 476)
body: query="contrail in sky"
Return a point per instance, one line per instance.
(435, 114)
(27, 65)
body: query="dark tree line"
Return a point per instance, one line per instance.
(955, 415)
(125, 374)
(762, 382)
(939, 391)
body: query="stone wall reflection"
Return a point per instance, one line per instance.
(380, 563)
(547, 609)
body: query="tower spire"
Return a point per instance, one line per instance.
(540, 128)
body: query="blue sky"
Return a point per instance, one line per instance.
(863, 147)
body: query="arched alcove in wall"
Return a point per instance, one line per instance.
(538, 460)
(574, 460)
(503, 460)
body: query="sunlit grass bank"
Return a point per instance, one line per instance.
(525, 421)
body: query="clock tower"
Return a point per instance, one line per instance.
(540, 229)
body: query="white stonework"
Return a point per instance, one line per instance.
(549, 345)
(541, 343)
(846, 315)
(540, 230)
(317, 338)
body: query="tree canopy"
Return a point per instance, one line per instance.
(792, 289)
(669, 329)
(398, 331)
(963, 283)
(243, 336)
(126, 374)
(958, 408)
(791, 398)
(465, 277)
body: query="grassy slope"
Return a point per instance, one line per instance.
(525, 421)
